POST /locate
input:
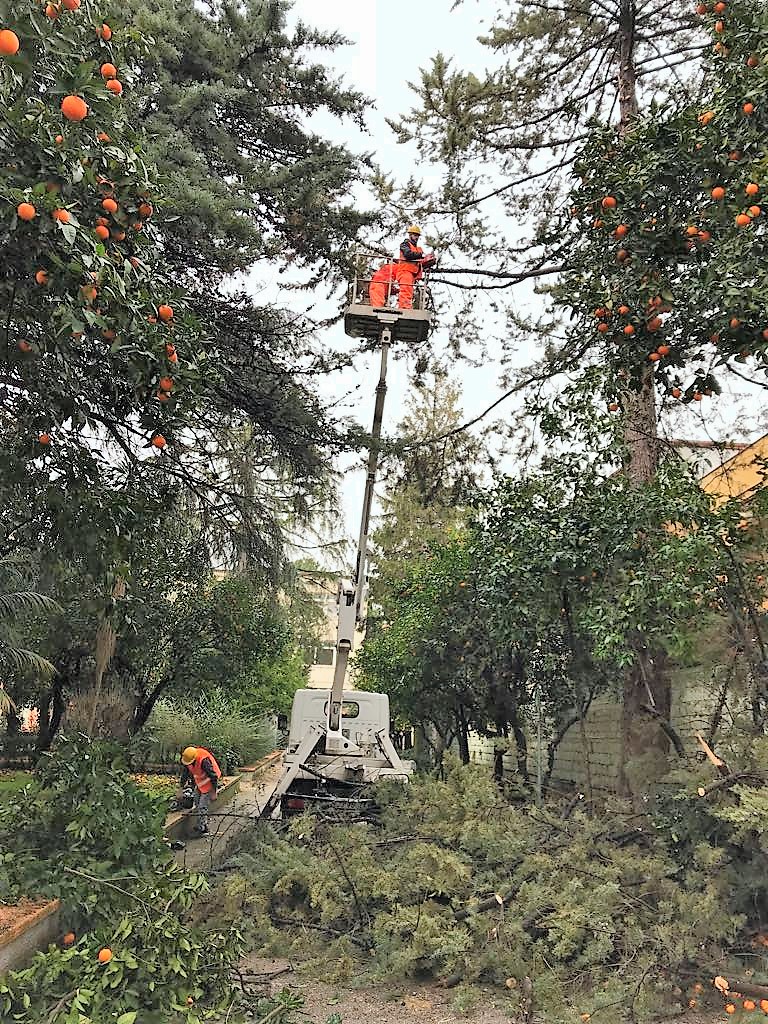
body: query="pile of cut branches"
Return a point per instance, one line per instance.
(612, 914)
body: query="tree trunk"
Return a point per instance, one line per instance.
(51, 711)
(462, 734)
(639, 734)
(645, 744)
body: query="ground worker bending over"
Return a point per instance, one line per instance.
(383, 284)
(411, 265)
(201, 768)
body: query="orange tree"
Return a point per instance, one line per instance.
(103, 363)
(667, 231)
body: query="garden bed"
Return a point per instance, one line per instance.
(25, 928)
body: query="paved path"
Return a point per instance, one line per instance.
(240, 813)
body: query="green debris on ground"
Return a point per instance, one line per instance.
(611, 913)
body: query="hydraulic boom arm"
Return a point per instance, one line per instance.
(351, 591)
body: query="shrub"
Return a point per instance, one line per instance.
(236, 737)
(85, 833)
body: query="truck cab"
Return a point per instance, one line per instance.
(323, 778)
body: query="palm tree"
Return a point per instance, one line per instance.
(14, 602)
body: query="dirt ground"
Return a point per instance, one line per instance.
(409, 1004)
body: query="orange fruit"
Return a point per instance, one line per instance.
(44, 438)
(74, 108)
(602, 328)
(103, 220)
(105, 32)
(9, 43)
(52, 11)
(664, 350)
(718, 192)
(103, 137)
(102, 232)
(173, 358)
(755, 211)
(622, 255)
(159, 441)
(24, 346)
(145, 210)
(702, 9)
(162, 396)
(729, 1007)
(59, 139)
(68, 939)
(752, 61)
(115, 86)
(70, 5)
(109, 205)
(748, 108)
(705, 236)
(166, 383)
(599, 224)
(608, 203)
(621, 231)
(719, 26)
(749, 1004)
(108, 70)
(654, 324)
(613, 407)
(41, 276)
(105, 955)
(697, 396)
(629, 329)
(137, 226)
(165, 313)
(62, 216)
(734, 323)
(764, 1005)
(706, 117)
(752, 188)
(654, 357)
(623, 310)
(170, 350)
(26, 211)
(743, 220)
(109, 334)
(676, 392)
(691, 230)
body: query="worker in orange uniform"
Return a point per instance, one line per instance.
(201, 768)
(411, 265)
(383, 283)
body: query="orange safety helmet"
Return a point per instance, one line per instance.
(188, 755)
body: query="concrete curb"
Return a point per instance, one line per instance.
(31, 933)
(179, 824)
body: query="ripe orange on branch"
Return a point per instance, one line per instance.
(108, 70)
(115, 86)
(752, 188)
(718, 192)
(165, 313)
(74, 108)
(105, 955)
(9, 43)
(109, 205)
(26, 211)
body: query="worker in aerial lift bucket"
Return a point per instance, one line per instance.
(383, 284)
(411, 265)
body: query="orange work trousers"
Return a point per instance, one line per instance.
(407, 274)
(381, 282)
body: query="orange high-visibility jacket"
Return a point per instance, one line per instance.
(199, 774)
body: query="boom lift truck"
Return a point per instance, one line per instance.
(339, 740)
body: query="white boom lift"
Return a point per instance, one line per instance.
(339, 739)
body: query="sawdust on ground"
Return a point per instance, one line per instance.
(11, 915)
(411, 1003)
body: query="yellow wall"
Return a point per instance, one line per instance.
(739, 477)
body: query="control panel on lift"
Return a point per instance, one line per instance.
(363, 320)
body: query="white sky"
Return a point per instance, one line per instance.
(390, 41)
